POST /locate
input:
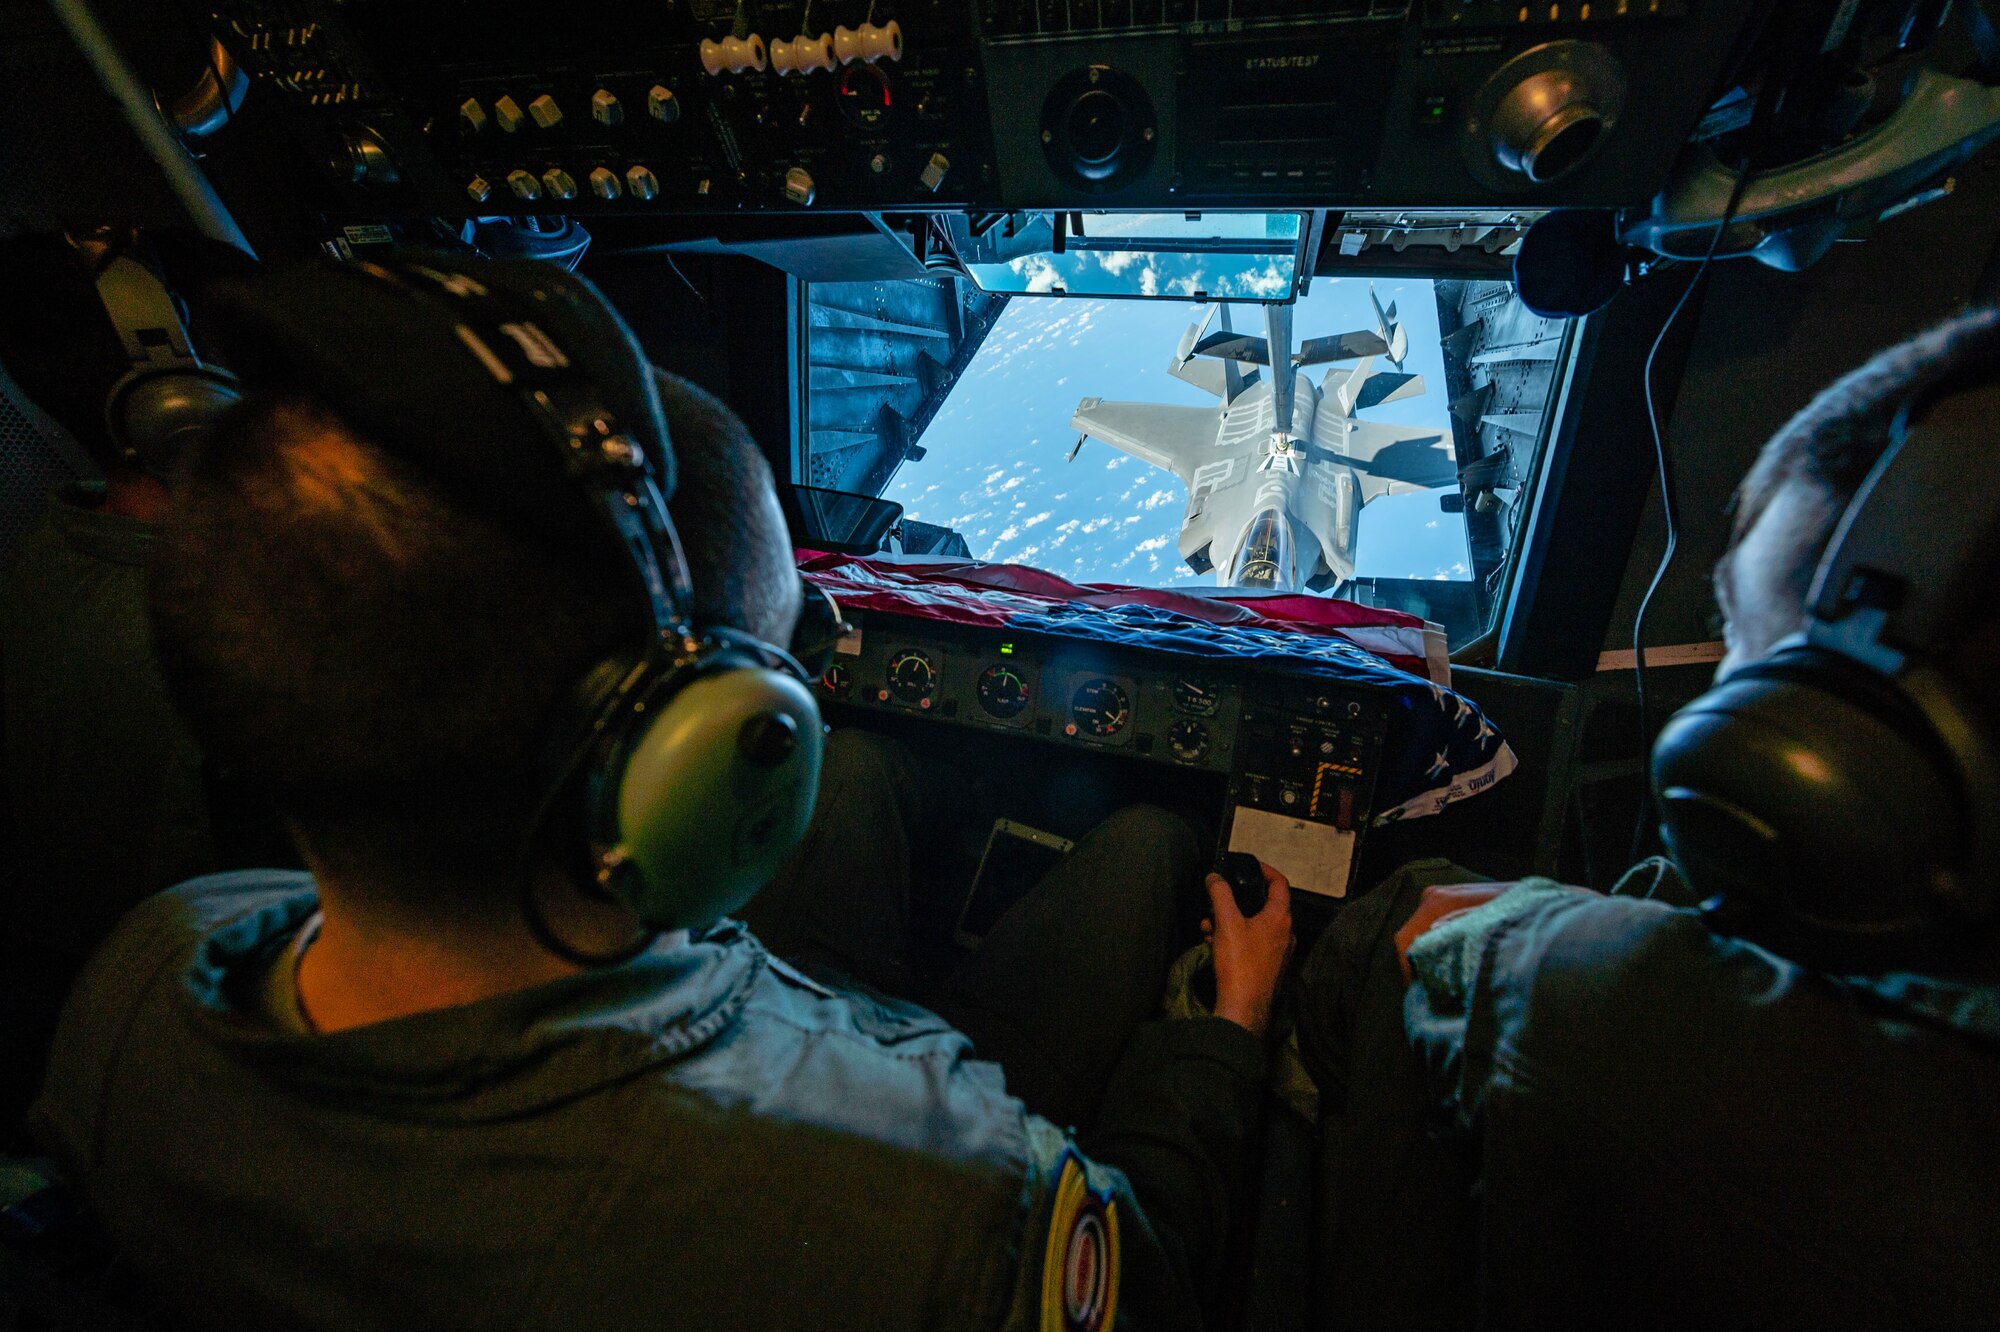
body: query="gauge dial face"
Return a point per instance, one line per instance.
(1188, 740)
(838, 680)
(1002, 691)
(1197, 695)
(864, 96)
(912, 676)
(1099, 708)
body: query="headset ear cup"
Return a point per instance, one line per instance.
(153, 415)
(1796, 800)
(715, 792)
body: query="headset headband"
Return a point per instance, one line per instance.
(611, 465)
(1904, 567)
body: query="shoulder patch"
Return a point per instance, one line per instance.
(1080, 1265)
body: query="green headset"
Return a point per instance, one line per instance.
(1839, 800)
(686, 765)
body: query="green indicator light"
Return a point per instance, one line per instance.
(1006, 649)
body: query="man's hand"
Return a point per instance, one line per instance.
(1437, 903)
(1250, 954)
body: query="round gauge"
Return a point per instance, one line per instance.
(1099, 707)
(863, 95)
(1002, 691)
(912, 676)
(1197, 695)
(1188, 740)
(838, 680)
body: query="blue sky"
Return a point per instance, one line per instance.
(995, 466)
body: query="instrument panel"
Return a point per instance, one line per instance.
(438, 108)
(1297, 747)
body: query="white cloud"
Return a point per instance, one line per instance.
(1039, 518)
(1149, 281)
(1118, 462)
(1013, 481)
(1040, 273)
(1117, 261)
(1096, 523)
(1267, 281)
(1129, 521)
(1023, 556)
(1009, 533)
(993, 476)
(1070, 526)
(1156, 543)
(1187, 286)
(1157, 498)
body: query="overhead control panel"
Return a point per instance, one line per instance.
(441, 107)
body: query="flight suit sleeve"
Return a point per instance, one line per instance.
(1471, 973)
(1131, 1234)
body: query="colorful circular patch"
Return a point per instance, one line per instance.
(1080, 1267)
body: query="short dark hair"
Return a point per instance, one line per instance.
(1833, 443)
(381, 662)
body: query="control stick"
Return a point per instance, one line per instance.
(1246, 881)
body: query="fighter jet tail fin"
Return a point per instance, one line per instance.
(1390, 326)
(1172, 438)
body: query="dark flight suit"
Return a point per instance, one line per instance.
(703, 1137)
(104, 796)
(1669, 1129)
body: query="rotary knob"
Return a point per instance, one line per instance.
(478, 190)
(1098, 129)
(526, 187)
(472, 117)
(560, 184)
(734, 55)
(642, 182)
(799, 186)
(1543, 114)
(604, 183)
(544, 112)
(662, 105)
(507, 114)
(606, 109)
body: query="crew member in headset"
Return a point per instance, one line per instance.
(104, 793)
(418, 586)
(1673, 1126)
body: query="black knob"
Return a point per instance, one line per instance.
(1096, 127)
(768, 738)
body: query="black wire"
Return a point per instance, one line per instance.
(1669, 510)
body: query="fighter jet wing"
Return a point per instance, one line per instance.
(1391, 460)
(1173, 438)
